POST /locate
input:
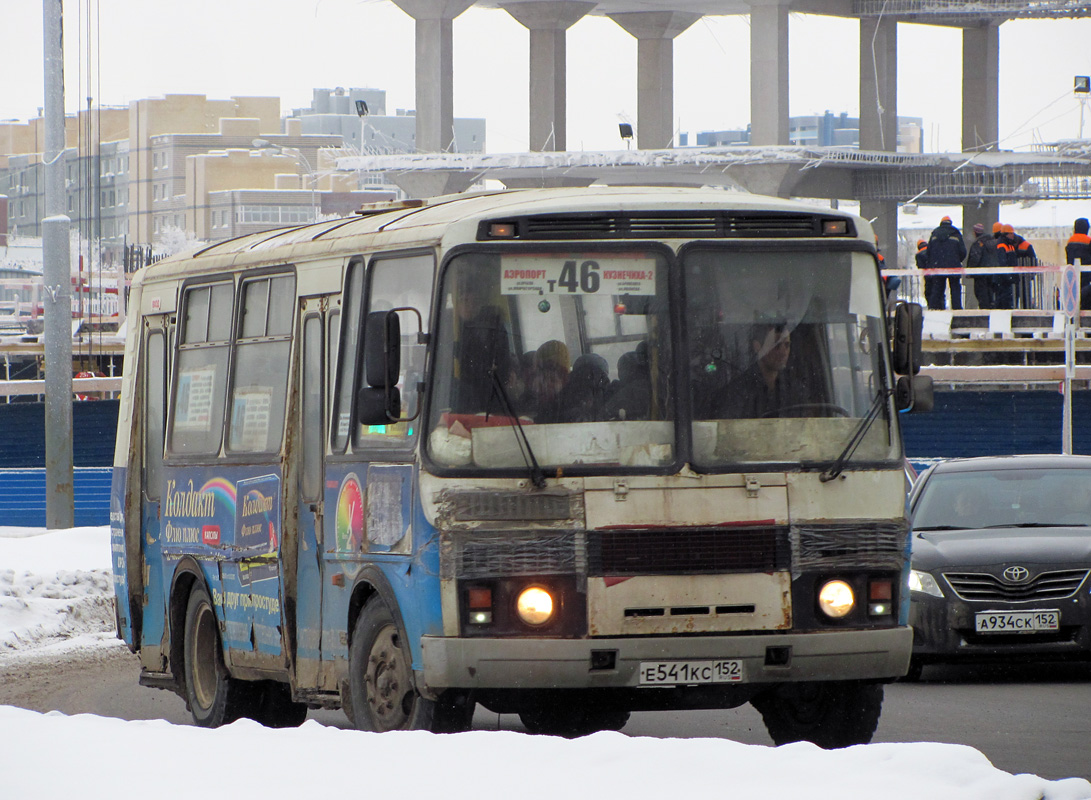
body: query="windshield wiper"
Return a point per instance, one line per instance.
(838, 466)
(939, 528)
(537, 477)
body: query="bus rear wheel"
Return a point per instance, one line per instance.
(383, 692)
(214, 697)
(831, 715)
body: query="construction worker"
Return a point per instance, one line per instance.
(1016, 252)
(984, 253)
(946, 250)
(1078, 248)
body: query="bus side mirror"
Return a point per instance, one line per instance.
(907, 334)
(378, 406)
(382, 349)
(380, 401)
(914, 393)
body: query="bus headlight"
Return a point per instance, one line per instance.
(534, 605)
(836, 599)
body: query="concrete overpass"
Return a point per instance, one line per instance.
(655, 24)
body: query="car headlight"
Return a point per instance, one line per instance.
(836, 599)
(535, 605)
(924, 582)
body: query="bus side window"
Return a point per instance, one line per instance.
(402, 282)
(311, 411)
(155, 379)
(200, 384)
(333, 340)
(262, 357)
(344, 358)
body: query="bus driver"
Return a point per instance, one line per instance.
(762, 390)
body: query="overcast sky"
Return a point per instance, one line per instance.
(285, 48)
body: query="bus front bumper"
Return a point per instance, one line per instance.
(568, 663)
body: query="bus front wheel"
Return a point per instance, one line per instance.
(383, 692)
(832, 715)
(214, 697)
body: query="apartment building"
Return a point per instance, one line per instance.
(215, 169)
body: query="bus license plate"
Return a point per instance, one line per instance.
(1017, 621)
(674, 673)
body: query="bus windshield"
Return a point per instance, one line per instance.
(575, 345)
(785, 355)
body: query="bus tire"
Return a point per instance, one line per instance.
(831, 715)
(273, 707)
(383, 692)
(213, 696)
(572, 722)
(453, 712)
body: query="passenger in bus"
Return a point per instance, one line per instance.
(631, 398)
(583, 399)
(550, 374)
(482, 346)
(708, 367)
(762, 390)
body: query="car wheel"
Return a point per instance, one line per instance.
(214, 697)
(832, 715)
(913, 674)
(383, 692)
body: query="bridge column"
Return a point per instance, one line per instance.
(548, 23)
(768, 72)
(654, 32)
(434, 70)
(879, 118)
(980, 110)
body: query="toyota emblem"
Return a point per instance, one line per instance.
(1016, 574)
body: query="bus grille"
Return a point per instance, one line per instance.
(503, 506)
(511, 553)
(679, 225)
(865, 544)
(1047, 586)
(687, 551)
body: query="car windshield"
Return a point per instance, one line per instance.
(785, 355)
(565, 352)
(1008, 498)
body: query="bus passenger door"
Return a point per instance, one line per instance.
(152, 631)
(392, 536)
(311, 508)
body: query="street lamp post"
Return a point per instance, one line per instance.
(296, 153)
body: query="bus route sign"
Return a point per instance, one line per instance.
(549, 273)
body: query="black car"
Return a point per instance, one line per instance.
(1001, 551)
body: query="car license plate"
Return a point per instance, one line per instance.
(1017, 621)
(674, 673)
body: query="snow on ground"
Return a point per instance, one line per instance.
(55, 592)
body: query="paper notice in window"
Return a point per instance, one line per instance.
(193, 409)
(250, 418)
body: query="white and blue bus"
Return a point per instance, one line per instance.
(564, 453)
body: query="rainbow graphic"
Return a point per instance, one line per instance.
(350, 515)
(224, 492)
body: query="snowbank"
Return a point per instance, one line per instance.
(55, 589)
